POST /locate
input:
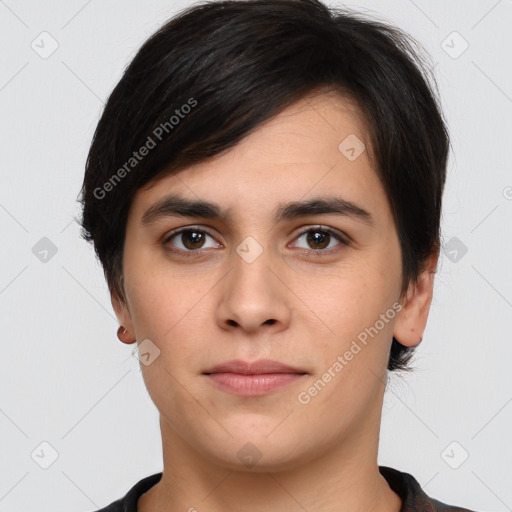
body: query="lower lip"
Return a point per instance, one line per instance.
(253, 385)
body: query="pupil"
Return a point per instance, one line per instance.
(192, 239)
(318, 237)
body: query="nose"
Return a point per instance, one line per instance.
(253, 296)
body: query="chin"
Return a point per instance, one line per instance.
(256, 452)
(251, 459)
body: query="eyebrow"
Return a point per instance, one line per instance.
(178, 206)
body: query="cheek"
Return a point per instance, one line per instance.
(352, 357)
(155, 292)
(153, 312)
(349, 300)
(173, 311)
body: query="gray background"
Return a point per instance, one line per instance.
(67, 381)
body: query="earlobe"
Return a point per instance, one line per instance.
(411, 321)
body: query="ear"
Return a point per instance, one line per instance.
(411, 320)
(122, 312)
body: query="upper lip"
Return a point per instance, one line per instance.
(250, 368)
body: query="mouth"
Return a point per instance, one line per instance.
(253, 378)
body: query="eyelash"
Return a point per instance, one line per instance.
(191, 253)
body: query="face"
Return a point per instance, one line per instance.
(256, 277)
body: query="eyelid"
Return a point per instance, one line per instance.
(340, 235)
(167, 237)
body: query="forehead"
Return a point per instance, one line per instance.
(316, 146)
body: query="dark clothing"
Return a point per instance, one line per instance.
(405, 485)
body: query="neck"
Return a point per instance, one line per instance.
(345, 477)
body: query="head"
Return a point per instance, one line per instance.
(248, 108)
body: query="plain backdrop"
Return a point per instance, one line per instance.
(72, 397)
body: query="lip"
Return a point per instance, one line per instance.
(253, 368)
(253, 378)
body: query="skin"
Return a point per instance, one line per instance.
(214, 306)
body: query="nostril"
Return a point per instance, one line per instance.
(270, 321)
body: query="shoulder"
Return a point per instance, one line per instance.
(412, 495)
(128, 503)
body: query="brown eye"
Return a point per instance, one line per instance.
(321, 240)
(189, 240)
(318, 239)
(192, 239)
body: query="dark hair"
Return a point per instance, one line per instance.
(217, 70)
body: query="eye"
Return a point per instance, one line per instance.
(192, 239)
(321, 239)
(189, 239)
